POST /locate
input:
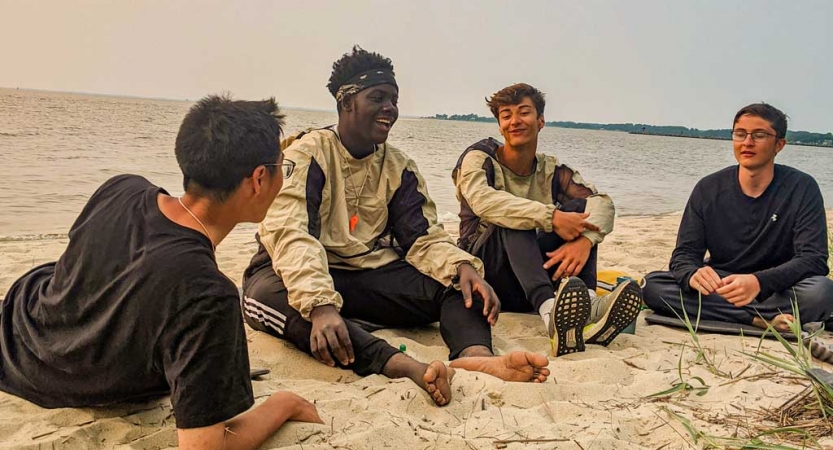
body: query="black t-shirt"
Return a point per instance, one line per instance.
(780, 236)
(136, 307)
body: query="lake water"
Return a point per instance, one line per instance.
(57, 148)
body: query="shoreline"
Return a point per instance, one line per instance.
(713, 138)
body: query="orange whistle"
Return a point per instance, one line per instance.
(353, 222)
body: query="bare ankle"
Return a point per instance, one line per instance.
(403, 366)
(758, 322)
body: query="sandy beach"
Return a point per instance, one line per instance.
(596, 399)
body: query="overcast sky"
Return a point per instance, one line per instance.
(691, 63)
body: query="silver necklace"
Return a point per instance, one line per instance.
(213, 248)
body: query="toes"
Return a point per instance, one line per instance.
(437, 378)
(439, 399)
(536, 360)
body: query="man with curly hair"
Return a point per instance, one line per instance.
(520, 207)
(354, 235)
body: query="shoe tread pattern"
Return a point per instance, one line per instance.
(569, 315)
(622, 313)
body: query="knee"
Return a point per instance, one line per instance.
(658, 290)
(815, 296)
(263, 282)
(509, 233)
(575, 205)
(517, 239)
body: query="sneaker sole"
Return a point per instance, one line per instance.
(569, 315)
(622, 313)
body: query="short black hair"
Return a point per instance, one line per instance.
(221, 141)
(352, 64)
(515, 94)
(777, 119)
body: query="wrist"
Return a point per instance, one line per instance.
(321, 311)
(456, 280)
(462, 265)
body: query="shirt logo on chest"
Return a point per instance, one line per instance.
(774, 217)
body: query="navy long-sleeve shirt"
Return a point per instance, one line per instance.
(780, 237)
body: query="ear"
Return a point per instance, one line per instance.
(258, 179)
(347, 103)
(541, 122)
(780, 145)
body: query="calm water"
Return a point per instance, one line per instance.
(56, 149)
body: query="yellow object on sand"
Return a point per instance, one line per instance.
(607, 280)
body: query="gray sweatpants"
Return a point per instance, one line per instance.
(814, 295)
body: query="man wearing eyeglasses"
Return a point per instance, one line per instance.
(764, 228)
(136, 307)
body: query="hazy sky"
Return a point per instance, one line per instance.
(672, 62)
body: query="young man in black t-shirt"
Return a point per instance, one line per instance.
(764, 227)
(136, 306)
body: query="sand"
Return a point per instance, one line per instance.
(596, 399)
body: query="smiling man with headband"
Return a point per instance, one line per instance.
(354, 235)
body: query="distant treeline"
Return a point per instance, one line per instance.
(794, 137)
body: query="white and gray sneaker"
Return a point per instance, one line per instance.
(612, 313)
(568, 317)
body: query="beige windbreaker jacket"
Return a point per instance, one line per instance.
(491, 193)
(307, 228)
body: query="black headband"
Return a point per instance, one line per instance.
(363, 81)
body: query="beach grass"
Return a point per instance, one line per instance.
(703, 355)
(798, 423)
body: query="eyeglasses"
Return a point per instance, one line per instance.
(287, 167)
(740, 135)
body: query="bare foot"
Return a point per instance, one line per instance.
(437, 379)
(516, 366)
(781, 322)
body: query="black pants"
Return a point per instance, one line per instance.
(395, 295)
(814, 294)
(514, 261)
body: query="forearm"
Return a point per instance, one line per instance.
(246, 431)
(497, 206)
(690, 249)
(252, 428)
(508, 211)
(515, 213)
(683, 267)
(435, 255)
(602, 213)
(810, 249)
(301, 262)
(787, 275)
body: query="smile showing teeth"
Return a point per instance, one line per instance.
(384, 121)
